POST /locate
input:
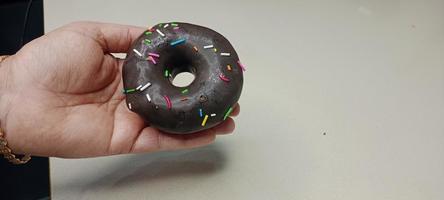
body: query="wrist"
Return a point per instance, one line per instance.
(4, 90)
(5, 151)
(7, 88)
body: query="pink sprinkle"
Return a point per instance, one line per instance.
(241, 65)
(168, 101)
(150, 58)
(221, 76)
(154, 54)
(176, 28)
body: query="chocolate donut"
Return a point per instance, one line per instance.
(168, 49)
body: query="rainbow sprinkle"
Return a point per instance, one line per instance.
(215, 50)
(200, 112)
(205, 120)
(148, 97)
(208, 46)
(150, 58)
(166, 25)
(184, 99)
(184, 91)
(168, 101)
(137, 52)
(174, 24)
(160, 33)
(145, 86)
(213, 115)
(195, 49)
(154, 55)
(129, 91)
(222, 77)
(166, 73)
(148, 33)
(129, 106)
(225, 54)
(241, 65)
(177, 42)
(147, 41)
(228, 113)
(229, 67)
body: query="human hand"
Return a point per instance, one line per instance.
(60, 95)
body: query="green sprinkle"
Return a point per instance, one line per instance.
(148, 33)
(184, 91)
(174, 24)
(129, 91)
(166, 73)
(147, 41)
(160, 25)
(228, 113)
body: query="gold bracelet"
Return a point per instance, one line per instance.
(7, 152)
(2, 58)
(4, 149)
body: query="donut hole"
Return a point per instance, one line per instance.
(183, 79)
(180, 65)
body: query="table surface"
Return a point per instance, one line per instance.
(341, 100)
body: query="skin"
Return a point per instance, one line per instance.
(60, 95)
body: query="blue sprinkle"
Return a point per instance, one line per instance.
(200, 112)
(177, 42)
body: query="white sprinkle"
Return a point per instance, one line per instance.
(208, 46)
(160, 32)
(225, 54)
(137, 52)
(145, 86)
(213, 115)
(129, 105)
(166, 25)
(148, 97)
(138, 87)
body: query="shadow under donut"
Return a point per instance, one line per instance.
(163, 166)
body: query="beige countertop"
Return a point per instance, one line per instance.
(368, 74)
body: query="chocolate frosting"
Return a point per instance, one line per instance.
(168, 49)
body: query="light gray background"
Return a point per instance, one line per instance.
(370, 74)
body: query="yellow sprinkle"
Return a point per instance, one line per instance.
(229, 67)
(215, 50)
(205, 120)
